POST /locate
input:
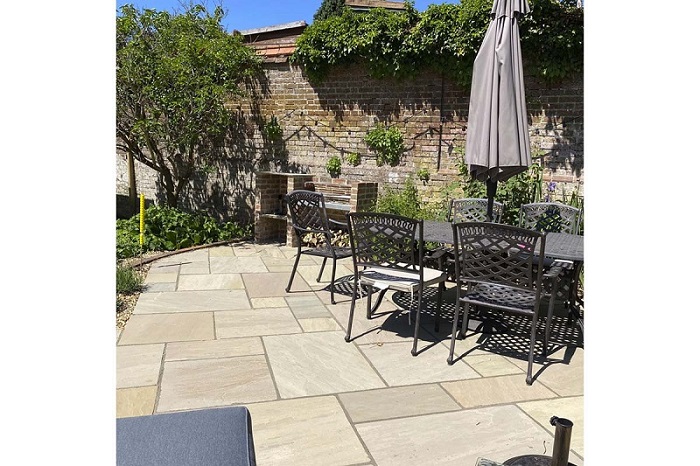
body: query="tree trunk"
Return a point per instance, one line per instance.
(133, 201)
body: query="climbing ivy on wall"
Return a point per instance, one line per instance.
(446, 37)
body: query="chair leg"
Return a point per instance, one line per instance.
(333, 283)
(352, 309)
(294, 269)
(550, 313)
(369, 302)
(450, 358)
(531, 356)
(465, 322)
(323, 265)
(441, 288)
(414, 351)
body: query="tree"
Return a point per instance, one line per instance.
(329, 8)
(175, 73)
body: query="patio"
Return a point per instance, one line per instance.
(216, 328)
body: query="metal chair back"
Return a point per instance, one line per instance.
(550, 217)
(385, 240)
(473, 210)
(307, 210)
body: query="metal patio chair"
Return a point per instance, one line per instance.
(388, 255)
(472, 209)
(501, 267)
(555, 217)
(550, 217)
(308, 212)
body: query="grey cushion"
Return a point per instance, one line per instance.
(222, 436)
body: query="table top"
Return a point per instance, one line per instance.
(557, 245)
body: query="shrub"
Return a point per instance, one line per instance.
(128, 280)
(168, 229)
(333, 166)
(387, 143)
(407, 202)
(354, 159)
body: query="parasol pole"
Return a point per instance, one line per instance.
(491, 186)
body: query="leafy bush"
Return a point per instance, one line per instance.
(444, 38)
(354, 159)
(333, 166)
(168, 229)
(128, 280)
(407, 202)
(387, 142)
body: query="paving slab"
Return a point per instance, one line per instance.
(570, 408)
(265, 285)
(456, 438)
(195, 267)
(223, 281)
(161, 277)
(136, 401)
(391, 403)
(308, 431)
(214, 382)
(489, 391)
(276, 301)
(162, 328)
(191, 301)
(139, 365)
(310, 273)
(221, 251)
(397, 366)
(318, 363)
(158, 287)
(237, 265)
(562, 372)
(319, 324)
(307, 306)
(255, 322)
(212, 349)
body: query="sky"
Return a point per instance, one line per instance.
(247, 14)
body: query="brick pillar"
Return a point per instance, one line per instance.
(363, 196)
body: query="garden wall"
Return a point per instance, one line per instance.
(332, 118)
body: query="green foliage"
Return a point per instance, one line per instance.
(168, 229)
(333, 166)
(328, 9)
(353, 159)
(387, 143)
(516, 191)
(128, 280)
(272, 129)
(175, 73)
(423, 174)
(444, 38)
(407, 202)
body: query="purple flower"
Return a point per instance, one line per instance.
(551, 186)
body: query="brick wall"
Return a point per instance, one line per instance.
(333, 117)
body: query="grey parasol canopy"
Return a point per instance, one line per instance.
(498, 143)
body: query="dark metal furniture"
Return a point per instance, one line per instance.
(473, 210)
(550, 217)
(387, 254)
(308, 212)
(501, 267)
(219, 436)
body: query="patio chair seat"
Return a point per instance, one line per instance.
(502, 297)
(402, 280)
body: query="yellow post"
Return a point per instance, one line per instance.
(142, 218)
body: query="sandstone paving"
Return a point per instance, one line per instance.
(136, 401)
(496, 390)
(310, 431)
(396, 365)
(255, 322)
(249, 264)
(211, 349)
(205, 383)
(231, 335)
(390, 403)
(455, 438)
(270, 284)
(224, 281)
(139, 365)
(192, 301)
(162, 328)
(318, 363)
